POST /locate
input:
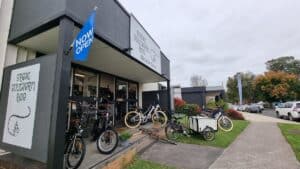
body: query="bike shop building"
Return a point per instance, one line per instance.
(123, 59)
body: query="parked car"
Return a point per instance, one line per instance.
(261, 105)
(289, 110)
(254, 108)
(232, 106)
(243, 107)
(275, 104)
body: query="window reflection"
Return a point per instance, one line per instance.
(85, 83)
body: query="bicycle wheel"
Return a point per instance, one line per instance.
(75, 153)
(171, 132)
(107, 141)
(159, 117)
(225, 123)
(132, 119)
(208, 134)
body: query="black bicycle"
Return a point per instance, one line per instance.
(107, 137)
(75, 148)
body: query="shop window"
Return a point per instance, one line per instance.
(107, 87)
(121, 98)
(84, 83)
(132, 96)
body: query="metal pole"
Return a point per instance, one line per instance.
(169, 99)
(240, 88)
(60, 96)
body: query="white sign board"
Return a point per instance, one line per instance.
(143, 46)
(21, 106)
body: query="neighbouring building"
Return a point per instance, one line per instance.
(198, 95)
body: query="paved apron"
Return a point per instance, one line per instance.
(182, 156)
(260, 146)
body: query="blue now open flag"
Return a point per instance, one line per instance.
(84, 39)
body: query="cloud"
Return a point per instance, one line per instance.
(216, 39)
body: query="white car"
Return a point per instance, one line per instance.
(243, 107)
(289, 110)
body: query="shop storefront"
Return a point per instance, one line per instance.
(123, 59)
(89, 83)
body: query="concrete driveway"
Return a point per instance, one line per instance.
(182, 156)
(253, 117)
(260, 146)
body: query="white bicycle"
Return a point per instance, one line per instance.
(134, 119)
(224, 122)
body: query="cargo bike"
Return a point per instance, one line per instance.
(204, 124)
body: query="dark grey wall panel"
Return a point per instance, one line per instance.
(43, 113)
(150, 98)
(165, 66)
(112, 22)
(194, 95)
(30, 14)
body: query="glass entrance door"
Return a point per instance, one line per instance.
(121, 100)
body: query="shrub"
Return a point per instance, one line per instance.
(179, 102)
(221, 103)
(233, 114)
(125, 135)
(192, 109)
(189, 109)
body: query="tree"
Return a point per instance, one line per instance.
(247, 87)
(198, 81)
(277, 86)
(286, 64)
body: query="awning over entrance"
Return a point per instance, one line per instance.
(102, 57)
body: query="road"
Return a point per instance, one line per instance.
(269, 112)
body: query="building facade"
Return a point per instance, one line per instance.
(198, 95)
(124, 60)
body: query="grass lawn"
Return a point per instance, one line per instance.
(143, 164)
(292, 134)
(223, 139)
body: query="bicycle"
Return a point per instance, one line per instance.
(224, 122)
(134, 119)
(108, 138)
(175, 129)
(75, 147)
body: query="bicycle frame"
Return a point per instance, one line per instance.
(148, 114)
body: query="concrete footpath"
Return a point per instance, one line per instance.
(260, 146)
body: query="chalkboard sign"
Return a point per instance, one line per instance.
(26, 107)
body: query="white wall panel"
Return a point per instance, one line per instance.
(6, 9)
(11, 55)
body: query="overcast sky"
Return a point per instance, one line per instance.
(217, 38)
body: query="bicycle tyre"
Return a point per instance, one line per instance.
(164, 117)
(109, 151)
(69, 165)
(208, 134)
(225, 126)
(132, 114)
(171, 132)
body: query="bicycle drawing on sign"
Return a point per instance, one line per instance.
(13, 122)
